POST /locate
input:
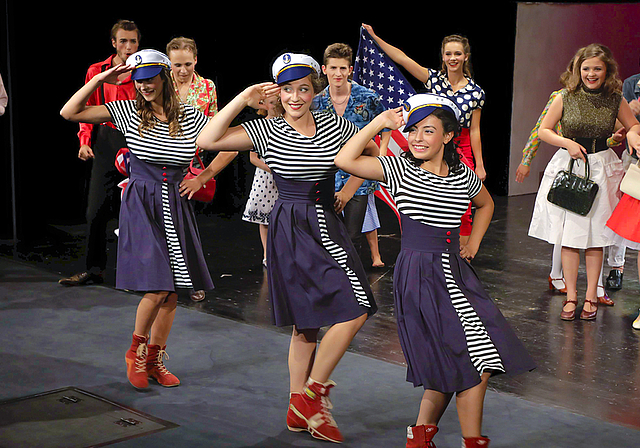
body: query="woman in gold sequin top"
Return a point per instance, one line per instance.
(587, 110)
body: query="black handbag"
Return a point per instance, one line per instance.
(572, 192)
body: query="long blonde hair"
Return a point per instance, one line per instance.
(171, 106)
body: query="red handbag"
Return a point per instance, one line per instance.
(205, 194)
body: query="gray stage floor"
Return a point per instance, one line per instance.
(234, 374)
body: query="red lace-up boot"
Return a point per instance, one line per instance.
(420, 436)
(475, 442)
(156, 369)
(315, 410)
(295, 423)
(136, 360)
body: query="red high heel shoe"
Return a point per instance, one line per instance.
(554, 289)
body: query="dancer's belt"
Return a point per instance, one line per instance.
(592, 145)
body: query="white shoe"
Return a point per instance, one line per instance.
(636, 323)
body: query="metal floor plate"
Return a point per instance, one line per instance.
(71, 417)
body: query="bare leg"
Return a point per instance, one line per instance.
(432, 406)
(164, 320)
(302, 351)
(372, 239)
(333, 346)
(594, 258)
(264, 231)
(570, 264)
(148, 310)
(470, 405)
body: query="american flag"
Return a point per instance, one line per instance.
(375, 70)
(122, 165)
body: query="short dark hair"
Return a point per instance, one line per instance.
(338, 51)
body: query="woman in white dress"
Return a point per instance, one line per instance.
(587, 110)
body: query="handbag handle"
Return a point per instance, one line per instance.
(587, 169)
(199, 160)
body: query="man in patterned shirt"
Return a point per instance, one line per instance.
(360, 105)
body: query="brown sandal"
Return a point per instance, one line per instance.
(569, 315)
(590, 315)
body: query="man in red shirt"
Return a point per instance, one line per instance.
(101, 143)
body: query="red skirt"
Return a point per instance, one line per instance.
(624, 224)
(463, 142)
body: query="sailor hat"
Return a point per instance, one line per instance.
(147, 64)
(292, 66)
(420, 106)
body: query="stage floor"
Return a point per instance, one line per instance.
(588, 368)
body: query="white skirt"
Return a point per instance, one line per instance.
(559, 226)
(262, 197)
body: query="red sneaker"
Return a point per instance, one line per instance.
(295, 423)
(314, 409)
(136, 360)
(420, 436)
(156, 369)
(475, 442)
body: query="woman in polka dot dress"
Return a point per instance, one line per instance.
(455, 81)
(264, 192)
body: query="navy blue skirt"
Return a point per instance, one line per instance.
(450, 330)
(159, 245)
(316, 278)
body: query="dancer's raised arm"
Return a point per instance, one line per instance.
(76, 108)
(218, 136)
(400, 57)
(351, 158)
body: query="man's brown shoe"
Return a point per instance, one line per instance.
(83, 278)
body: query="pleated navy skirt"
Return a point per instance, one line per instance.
(315, 275)
(450, 330)
(159, 245)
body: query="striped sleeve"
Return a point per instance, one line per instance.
(393, 169)
(258, 131)
(347, 129)
(121, 112)
(473, 181)
(198, 118)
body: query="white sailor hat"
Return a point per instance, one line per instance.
(420, 106)
(147, 63)
(292, 66)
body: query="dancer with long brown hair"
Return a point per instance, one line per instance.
(159, 250)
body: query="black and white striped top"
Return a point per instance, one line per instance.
(426, 197)
(156, 145)
(295, 156)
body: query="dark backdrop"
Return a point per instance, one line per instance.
(51, 46)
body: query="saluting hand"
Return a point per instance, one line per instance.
(391, 118)
(111, 76)
(255, 96)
